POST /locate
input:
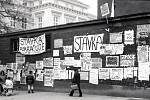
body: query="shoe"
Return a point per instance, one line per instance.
(80, 95)
(32, 91)
(28, 91)
(70, 95)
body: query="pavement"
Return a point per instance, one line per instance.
(23, 95)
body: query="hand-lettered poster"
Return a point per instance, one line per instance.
(48, 72)
(39, 75)
(128, 72)
(32, 46)
(142, 53)
(85, 61)
(144, 71)
(112, 61)
(48, 81)
(48, 62)
(104, 73)
(39, 64)
(67, 50)
(88, 43)
(96, 62)
(58, 43)
(84, 75)
(116, 37)
(93, 79)
(143, 30)
(69, 61)
(55, 53)
(127, 60)
(129, 37)
(111, 49)
(116, 73)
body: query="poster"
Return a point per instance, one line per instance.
(96, 63)
(39, 64)
(67, 50)
(20, 58)
(10, 73)
(57, 62)
(129, 37)
(88, 43)
(63, 74)
(32, 46)
(127, 60)
(84, 75)
(48, 72)
(48, 81)
(56, 73)
(32, 67)
(48, 62)
(143, 30)
(69, 61)
(93, 79)
(142, 53)
(58, 43)
(144, 71)
(116, 73)
(116, 37)
(128, 72)
(104, 9)
(55, 53)
(86, 63)
(39, 75)
(77, 63)
(104, 73)
(112, 61)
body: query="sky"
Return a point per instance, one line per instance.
(92, 4)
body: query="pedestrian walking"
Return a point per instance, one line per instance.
(30, 82)
(76, 81)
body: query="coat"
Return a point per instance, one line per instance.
(30, 79)
(76, 78)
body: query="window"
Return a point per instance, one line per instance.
(39, 22)
(15, 45)
(56, 20)
(69, 19)
(48, 42)
(13, 22)
(24, 23)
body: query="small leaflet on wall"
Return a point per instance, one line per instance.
(63, 74)
(48, 72)
(129, 37)
(10, 73)
(56, 61)
(127, 60)
(48, 62)
(77, 63)
(58, 43)
(39, 64)
(93, 76)
(67, 49)
(84, 75)
(48, 81)
(142, 53)
(39, 75)
(116, 37)
(56, 74)
(128, 72)
(62, 65)
(104, 73)
(96, 62)
(144, 71)
(69, 61)
(55, 53)
(112, 61)
(116, 73)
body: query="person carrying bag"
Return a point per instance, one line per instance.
(76, 84)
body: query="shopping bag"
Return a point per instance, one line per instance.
(74, 86)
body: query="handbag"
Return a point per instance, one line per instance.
(74, 86)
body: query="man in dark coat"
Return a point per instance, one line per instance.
(30, 82)
(76, 80)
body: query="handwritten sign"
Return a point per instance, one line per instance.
(104, 9)
(112, 61)
(88, 43)
(32, 46)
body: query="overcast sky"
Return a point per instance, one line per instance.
(92, 4)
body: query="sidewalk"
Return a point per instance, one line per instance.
(23, 95)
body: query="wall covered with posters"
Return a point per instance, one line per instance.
(117, 53)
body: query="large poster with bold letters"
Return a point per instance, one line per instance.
(32, 46)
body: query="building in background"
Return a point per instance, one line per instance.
(56, 12)
(125, 7)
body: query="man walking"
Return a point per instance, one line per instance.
(30, 82)
(76, 80)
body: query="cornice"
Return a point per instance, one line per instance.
(56, 6)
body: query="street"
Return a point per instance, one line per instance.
(23, 95)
